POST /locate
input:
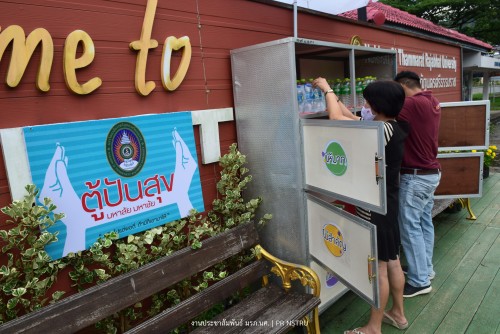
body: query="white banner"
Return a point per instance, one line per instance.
(329, 6)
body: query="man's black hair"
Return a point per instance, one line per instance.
(408, 78)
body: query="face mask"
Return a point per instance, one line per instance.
(366, 114)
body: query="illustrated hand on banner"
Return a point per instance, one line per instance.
(185, 166)
(58, 187)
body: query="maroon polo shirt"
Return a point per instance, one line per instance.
(423, 113)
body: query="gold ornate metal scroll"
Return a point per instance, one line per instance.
(288, 272)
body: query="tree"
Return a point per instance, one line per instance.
(474, 18)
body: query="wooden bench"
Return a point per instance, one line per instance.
(269, 309)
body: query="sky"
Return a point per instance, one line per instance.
(329, 6)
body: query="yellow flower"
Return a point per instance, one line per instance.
(489, 154)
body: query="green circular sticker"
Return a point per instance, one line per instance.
(335, 158)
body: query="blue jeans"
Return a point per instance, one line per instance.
(416, 199)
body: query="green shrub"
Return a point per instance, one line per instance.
(30, 274)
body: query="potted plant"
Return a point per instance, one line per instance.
(489, 158)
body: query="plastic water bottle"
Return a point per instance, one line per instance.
(346, 93)
(360, 100)
(336, 88)
(319, 100)
(301, 98)
(308, 90)
(314, 97)
(319, 103)
(344, 97)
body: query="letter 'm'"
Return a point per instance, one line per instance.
(22, 50)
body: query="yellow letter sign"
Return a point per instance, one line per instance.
(172, 43)
(143, 45)
(71, 63)
(22, 50)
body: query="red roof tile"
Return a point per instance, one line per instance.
(398, 16)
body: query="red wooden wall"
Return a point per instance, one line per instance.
(214, 27)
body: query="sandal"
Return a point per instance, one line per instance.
(355, 331)
(391, 321)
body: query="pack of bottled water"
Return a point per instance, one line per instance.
(310, 99)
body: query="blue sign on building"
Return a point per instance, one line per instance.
(125, 175)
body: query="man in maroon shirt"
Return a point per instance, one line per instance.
(420, 175)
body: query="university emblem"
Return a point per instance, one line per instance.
(125, 149)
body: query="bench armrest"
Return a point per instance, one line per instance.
(288, 272)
